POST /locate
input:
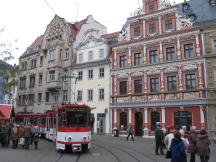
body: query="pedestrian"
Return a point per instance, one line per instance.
(4, 134)
(168, 139)
(36, 136)
(203, 149)
(192, 138)
(21, 135)
(159, 140)
(27, 135)
(130, 133)
(177, 149)
(14, 136)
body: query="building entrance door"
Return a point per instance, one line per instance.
(155, 117)
(101, 123)
(182, 118)
(138, 124)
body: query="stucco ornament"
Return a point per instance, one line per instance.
(183, 23)
(123, 35)
(137, 73)
(139, 11)
(165, 4)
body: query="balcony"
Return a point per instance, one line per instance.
(54, 85)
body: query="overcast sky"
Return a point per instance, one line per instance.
(24, 20)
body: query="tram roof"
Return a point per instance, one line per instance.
(73, 106)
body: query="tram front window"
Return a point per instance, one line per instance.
(77, 118)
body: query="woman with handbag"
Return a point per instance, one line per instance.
(21, 135)
(167, 141)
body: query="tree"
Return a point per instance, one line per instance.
(5, 47)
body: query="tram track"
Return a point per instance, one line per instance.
(59, 157)
(108, 150)
(130, 154)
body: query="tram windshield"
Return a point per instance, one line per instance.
(77, 117)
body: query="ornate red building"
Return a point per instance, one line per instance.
(158, 71)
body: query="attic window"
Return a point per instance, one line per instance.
(186, 7)
(212, 2)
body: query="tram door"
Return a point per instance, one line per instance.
(138, 124)
(101, 123)
(155, 117)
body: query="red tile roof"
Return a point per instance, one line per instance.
(5, 111)
(110, 35)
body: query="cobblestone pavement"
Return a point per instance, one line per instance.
(105, 148)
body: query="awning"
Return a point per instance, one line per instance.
(5, 111)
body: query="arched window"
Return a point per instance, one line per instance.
(155, 117)
(123, 121)
(182, 118)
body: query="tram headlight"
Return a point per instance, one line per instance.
(84, 138)
(69, 139)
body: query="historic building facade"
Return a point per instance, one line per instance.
(158, 71)
(44, 78)
(209, 34)
(92, 70)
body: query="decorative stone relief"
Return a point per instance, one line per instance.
(153, 71)
(189, 67)
(165, 4)
(170, 69)
(137, 73)
(122, 75)
(123, 35)
(139, 11)
(183, 23)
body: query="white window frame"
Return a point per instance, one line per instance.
(52, 54)
(90, 94)
(80, 57)
(52, 75)
(100, 76)
(92, 75)
(101, 94)
(90, 55)
(101, 53)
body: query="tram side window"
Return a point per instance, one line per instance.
(77, 119)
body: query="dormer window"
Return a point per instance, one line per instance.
(168, 25)
(212, 2)
(151, 8)
(137, 31)
(186, 7)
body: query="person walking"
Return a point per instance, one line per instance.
(36, 136)
(177, 149)
(203, 149)
(167, 141)
(159, 140)
(21, 135)
(130, 133)
(27, 135)
(192, 138)
(14, 136)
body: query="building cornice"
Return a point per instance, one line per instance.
(157, 38)
(91, 64)
(160, 104)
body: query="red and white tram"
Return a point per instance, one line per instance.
(73, 128)
(69, 126)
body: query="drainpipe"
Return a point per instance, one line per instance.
(206, 79)
(110, 89)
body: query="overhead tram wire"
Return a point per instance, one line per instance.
(50, 7)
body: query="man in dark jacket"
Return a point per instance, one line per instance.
(159, 138)
(192, 138)
(177, 149)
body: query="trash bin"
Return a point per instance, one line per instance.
(116, 133)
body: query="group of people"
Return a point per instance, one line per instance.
(180, 142)
(19, 134)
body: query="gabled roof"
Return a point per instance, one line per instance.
(34, 47)
(75, 27)
(5, 111)
(110, 35)
(204, 12)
